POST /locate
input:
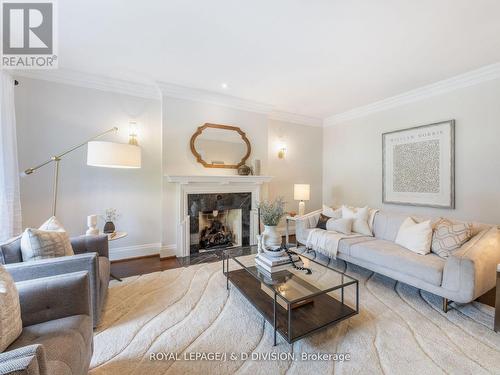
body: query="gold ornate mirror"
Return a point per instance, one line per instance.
(220, 146)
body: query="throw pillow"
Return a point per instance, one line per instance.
(40, 244)
(322, 221)
(340, 225)
(360, 218)
(10, 310)
(414, 236)
(52, 225)
(334, 213)
(449, 236)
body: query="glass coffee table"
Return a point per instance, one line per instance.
(296, 304)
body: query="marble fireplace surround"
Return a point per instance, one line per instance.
(201, 184)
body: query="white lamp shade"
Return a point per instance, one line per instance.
(113, 155)
(301, 192)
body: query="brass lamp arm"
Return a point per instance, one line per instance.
(58, 157)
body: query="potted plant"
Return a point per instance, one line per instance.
(110, 217)
(271, 213)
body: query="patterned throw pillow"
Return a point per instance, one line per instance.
(449, 236)
(10, 311)
(40, 244)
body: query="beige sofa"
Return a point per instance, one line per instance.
(462, 277)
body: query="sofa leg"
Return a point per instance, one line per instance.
(445, 304)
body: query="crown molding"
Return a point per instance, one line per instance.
(212, 97)
(474, 77)
(93, 81)
(157, 90)
(295, 118)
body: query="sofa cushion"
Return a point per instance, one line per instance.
(428, 268)
(449, 236)
(104, 271)
(346, 243)
(10, 310)
(340, 225)
(360, 218)
(10, 251)
(67, 343)
(386, 225)
(323, 219)
(39, 244)
(334, 213)
(416, 237)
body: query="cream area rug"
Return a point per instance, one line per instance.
(186, 312)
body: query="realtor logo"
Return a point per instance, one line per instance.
(28, 35)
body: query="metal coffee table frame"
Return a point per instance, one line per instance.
(243, 283)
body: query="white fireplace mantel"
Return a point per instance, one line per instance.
(199, 184)
(225, 179)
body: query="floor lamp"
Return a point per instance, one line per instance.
(99, 154)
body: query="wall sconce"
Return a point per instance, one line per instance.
(133, 133)
(281, 150)
(282, 153)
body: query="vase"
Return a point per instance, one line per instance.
(109, 227)
(271, 236)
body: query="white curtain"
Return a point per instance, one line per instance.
(10, 202)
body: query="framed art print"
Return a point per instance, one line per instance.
(418, 166)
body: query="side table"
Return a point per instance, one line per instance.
(287, 232)
(497, 302)
(113, 237)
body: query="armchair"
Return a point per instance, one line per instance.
(57, 327)
(91, 256)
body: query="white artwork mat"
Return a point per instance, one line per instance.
(418, 165)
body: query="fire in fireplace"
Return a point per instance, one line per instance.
(219, 229)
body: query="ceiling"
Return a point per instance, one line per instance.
(315, 58)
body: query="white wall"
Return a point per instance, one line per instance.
(51, 117)
(302, 164)
(352, 152)
(180, 120)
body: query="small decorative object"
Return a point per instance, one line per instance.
(301, 192)
(256, 167)
(111, 216)
(271, 213)
(92, 224)
(419, 166)
(244, 170)
(275, 251)
(260, 244)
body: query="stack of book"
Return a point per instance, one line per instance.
(274, 264)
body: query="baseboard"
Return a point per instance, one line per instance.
(168, 251)
(134, 251)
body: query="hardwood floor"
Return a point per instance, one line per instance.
(140, 266)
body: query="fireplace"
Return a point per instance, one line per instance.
(218, 229)
(198, 193)
(218, 221)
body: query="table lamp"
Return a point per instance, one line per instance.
(301, 193)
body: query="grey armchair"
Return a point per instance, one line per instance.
(91, 255)
(57, 335)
